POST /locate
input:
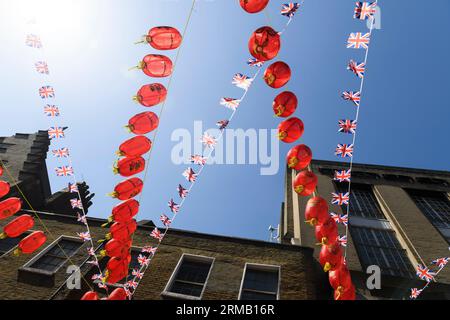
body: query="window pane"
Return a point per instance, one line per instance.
(261, 280)
(187, 288)
(362, 201)
(249, 295)
(434, 205)
(381, 248)
(193, 271)
(56, 256)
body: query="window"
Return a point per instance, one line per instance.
(55, 255)
(190, 277)
(381, 247)
(7, 244)
(260, 282)
(436, 207)
(362, 201)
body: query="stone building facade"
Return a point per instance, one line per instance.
(188, 265)
(399, 218)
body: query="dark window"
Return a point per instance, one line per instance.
(8, 243)
(190, 278)
(362, 201)
(57, 255)
(434, 205)
(260, 284)
(381, 248)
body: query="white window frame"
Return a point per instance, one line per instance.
(191, 257)
(44, 251)
(262, 267)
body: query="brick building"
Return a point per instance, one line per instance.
(399, 217)
(188, 265)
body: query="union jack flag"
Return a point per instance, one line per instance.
(342, 175)
(364, 10)
(342, 240)
(91, 251)
(190, 175)
(344, 150)
(358, 40)
(415, 293)
(165, 220)
(138, 274)
(253, 62)
(340, 198)
(357, 68)
(173, 206)
(339, 218)
(156, 234)
(102, 285)
(55, 132)
(208, 140)
(132, 284)
(289, 9)
(51, 111)
(46, 92)
(222, 124)
(82, 218)
(93, 262)
(242, 81)
(355, 97)
(347, 126)
(98, 276)
(441, 262)
(33, 41)
(198, 159)
(64, 171)
(424, 273)
(182, 192)
(149, 249)
(41, 67)
(76, 204)
(61, 153)
(73, 188)
(85, 236)
(230, 103)
(143, 260)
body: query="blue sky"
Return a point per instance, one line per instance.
(89, 47)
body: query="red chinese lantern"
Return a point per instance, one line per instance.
(345, 293)
(125, 211)
(117, 269)
(156, 65)
(135, 146)
(129, 166)
(151, 94)
(31, 243)
(305, 183)
(143, 123)
(290, 130)
(264, 43)
(299, 157)
(277, 74)
(163, 38)
(9, 207)
(285, 104)
(122, 230)
(316, 211)
(1, 170)
(327, 232)
(118, 294)
(4, 188)
(116, 248)
(90, 295)
(17, 226)
(340, 278)
(330, 256)
(127, 189)
(253, 6)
